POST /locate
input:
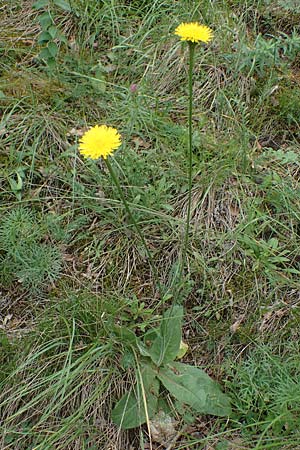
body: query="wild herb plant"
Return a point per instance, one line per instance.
(268, 257)
(265, 54)
(51, 37)
(25, 257)
(154, 359)
(155, 355)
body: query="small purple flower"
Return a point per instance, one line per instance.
(133, 88)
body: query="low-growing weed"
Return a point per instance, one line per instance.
(25, 257)
(51, 37)
(267, 53)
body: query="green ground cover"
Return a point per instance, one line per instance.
(72, 267)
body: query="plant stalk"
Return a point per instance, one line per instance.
(189, 158)
(135, 224)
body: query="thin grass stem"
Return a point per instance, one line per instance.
(135, 224)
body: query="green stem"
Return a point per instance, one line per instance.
(134, 223)
(190, 159)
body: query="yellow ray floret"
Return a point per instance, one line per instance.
(99, 141)
(194, 32)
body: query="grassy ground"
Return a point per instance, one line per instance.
(70, 263)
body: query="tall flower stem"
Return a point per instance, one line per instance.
(189, 158)
(135, 224)
(193, 33)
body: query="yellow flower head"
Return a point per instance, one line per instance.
(100, 140)
(194, 32)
